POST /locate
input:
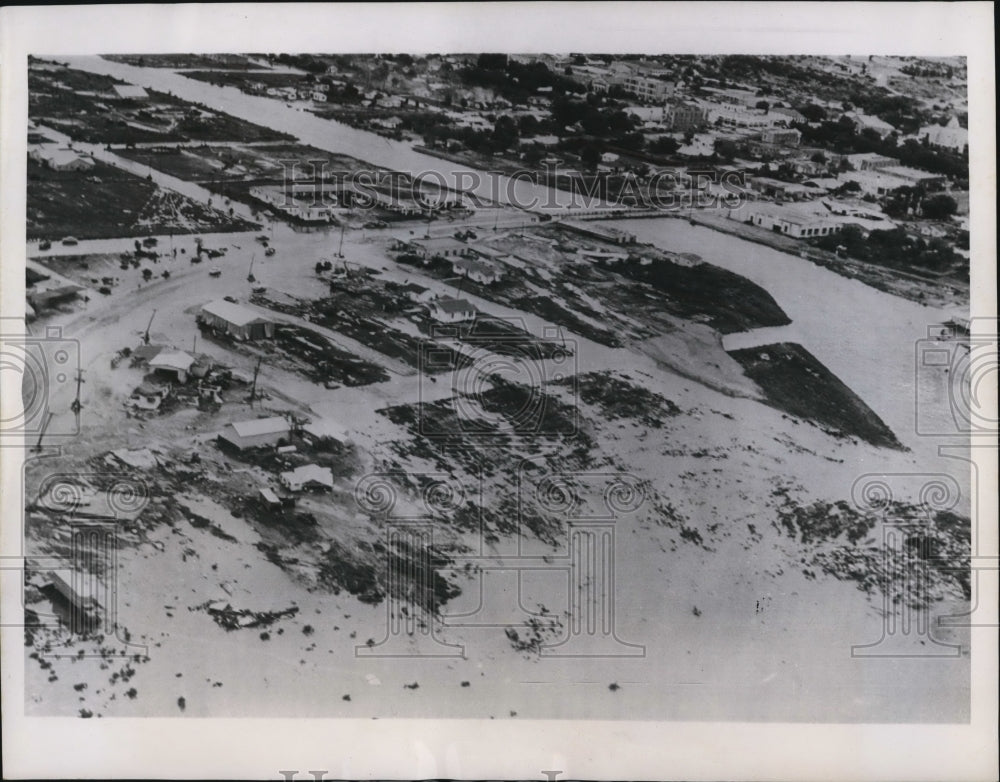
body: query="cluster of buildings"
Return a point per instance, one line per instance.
(951, 136)
(878, 175)
(811, 219)
(276, 432)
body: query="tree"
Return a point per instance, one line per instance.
(939, 207)
(589, 156)
(147, 275)
(533, 155)
(813, 113)
(763, 104)
(664, 145)
(504, 132)
(492, 62)
(725, 148)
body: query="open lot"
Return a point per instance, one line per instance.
(796, 382)
(105, 201)
(86, 107)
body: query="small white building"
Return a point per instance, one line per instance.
(60, 158)
(477, 271)
(951, 136)
(451, 310)
(175, 362)
(308, 476)
(132, 91)
(326, 429)
(236, 321)
(440, 247)
(255, 433)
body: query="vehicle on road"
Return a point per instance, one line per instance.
(70, 241)
(215, 273)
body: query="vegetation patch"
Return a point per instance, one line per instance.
(793, 380)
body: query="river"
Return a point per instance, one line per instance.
(336, 137)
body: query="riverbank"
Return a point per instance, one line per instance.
(906, 285)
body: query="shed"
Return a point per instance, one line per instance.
(236, 321)
(176, 362)
(132, 91)
(477, 271)
(256, 433)
(451, 310)
(308, 476)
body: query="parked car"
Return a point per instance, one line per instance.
(215, 273)
(70, 241)
(46, 245)
(269, 252)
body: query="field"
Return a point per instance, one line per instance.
(85, 107)
(105, 201)
(794, 381)
(613, 302)
(234, 169)
(349, 312)
(301, 350)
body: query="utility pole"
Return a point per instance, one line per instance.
(145, 337)
(253, 388)
(340, 250)
(250, 277)
(41, 434)
(76, 406)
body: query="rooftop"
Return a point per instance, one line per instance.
(171, 359)
(257, 426)
(309, 473)
(130, 91)
(469, 265)
(233, 313)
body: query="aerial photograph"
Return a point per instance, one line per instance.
(549, 386)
